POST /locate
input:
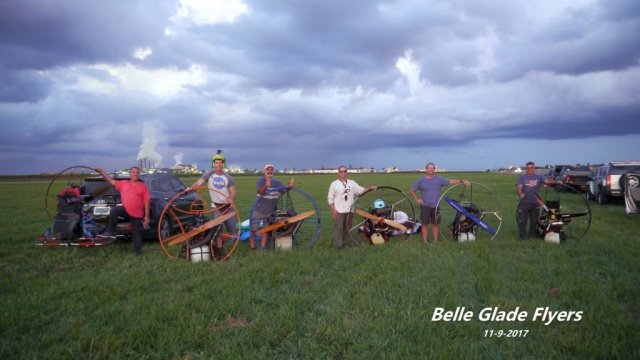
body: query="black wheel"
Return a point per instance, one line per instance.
(469, 212)
(164, 227)
(292, 214)
(382, 215)
(564, 213)
(603, 199)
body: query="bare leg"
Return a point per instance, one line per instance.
(436, 232)
(424, 231)
(252, 239)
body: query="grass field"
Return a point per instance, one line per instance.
(360, 302)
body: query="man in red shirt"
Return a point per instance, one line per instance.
(135, 198)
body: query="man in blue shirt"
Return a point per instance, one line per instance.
(430, 188)
(268, 190)
(529, 209)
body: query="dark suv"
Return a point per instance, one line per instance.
(99, 197)
(555, 171)
(576, 176)
(606, 182)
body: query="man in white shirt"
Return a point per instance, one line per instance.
(341, 197)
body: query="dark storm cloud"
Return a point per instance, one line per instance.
(305, 83)
(22, 86)
(41, 34)
(305, 44)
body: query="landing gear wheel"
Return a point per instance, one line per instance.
(564, 213)
(476, 200)
(196, 228)
(377, 215)
(294, 222)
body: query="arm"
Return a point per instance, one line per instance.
(196, 184)
(415, 197)
(147, 212)
(519, 187)
(330, 200)
(262, 189)
(551, 181)
(106, 176)
(203, 179)
(233, 192)
(334, 213)
(359, 190)
(460, 181)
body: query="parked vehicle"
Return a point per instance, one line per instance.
(554, 171)
(592, 184)
(606, 182)
(576, 176)
(100, 197)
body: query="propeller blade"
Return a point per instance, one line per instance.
(193, 232)
(375, 218)
(291, 220)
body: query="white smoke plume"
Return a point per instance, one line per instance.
(148, 148)
(179, 159)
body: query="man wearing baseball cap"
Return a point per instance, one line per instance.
(268, 190)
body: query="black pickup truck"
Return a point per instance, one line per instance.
(576, 176)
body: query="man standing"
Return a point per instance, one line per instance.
(135, 205)
(268, 191)
(529, 209)
(341, 197)
(222, 190)
(430, 191)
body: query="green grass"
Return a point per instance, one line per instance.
(361, 302)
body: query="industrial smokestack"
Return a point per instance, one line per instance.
(148, 155)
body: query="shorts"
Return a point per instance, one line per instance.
(429, 215)
(257, 221)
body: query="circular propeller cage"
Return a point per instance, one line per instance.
(469, 212)
(563, 213)
(382, 215)
(191, 227)
(288, 213)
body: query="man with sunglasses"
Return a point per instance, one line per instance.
(342, 195)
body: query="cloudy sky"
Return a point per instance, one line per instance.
(469, 85)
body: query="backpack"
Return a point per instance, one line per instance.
(66, 224)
